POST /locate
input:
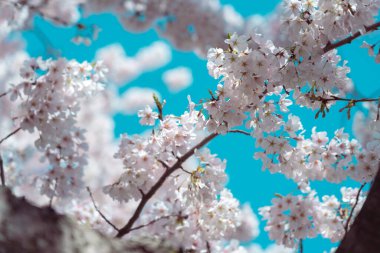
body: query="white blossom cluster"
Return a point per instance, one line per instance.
(253, 69)
(313, 23)
(144, 158)
(20, 13)
(317, 158)
(251, 77)
(260, 79)
(371, 50)
(50, 95)
(257, 81)
(291, 218)
(192, 207)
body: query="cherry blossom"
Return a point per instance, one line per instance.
(164, 182)
(49, 104)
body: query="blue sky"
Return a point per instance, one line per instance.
(246, 179)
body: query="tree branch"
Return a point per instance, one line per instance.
(2, 172)
(154, 221)
(9, 135)
(349, 39)
(335, 98)
(208, 247)
(353, 208)
(127, 228)
(3, 94)
(23, 225)
(240, 132)
(100, 213)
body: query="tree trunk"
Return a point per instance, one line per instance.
(29, 229)
(364, 235)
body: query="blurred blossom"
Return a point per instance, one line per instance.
(135, 99)
(178, 79)
(123, 69)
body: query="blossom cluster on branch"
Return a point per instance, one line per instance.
(50, 96)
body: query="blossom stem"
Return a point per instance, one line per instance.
(349, 39)
(353, 208)
(9, 135)
(100, 213)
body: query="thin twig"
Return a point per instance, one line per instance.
(163, 164)
(353, 208)
(188, 172)
(349, 39)
(154, 221)
(239, 132)
(3, 94)
(335, 98)
(2, 175)
(100, 213)
(300, 246)
(9, 135)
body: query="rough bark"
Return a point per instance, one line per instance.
(364, 234)
(26, 228)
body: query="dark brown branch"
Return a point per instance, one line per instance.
(353, 208)
(349, 39)
(300, 246)
(363, 236)
(25, 224)
(153, 221)
(127, 228)
(188, 172)
(240, 132)
(335, 98)
(3, 94)
(351, 103)
(163, 164)
(2, 175)
(208, 247)
(100, 213)
(9, 135)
